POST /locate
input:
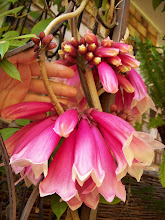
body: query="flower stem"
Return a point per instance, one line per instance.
(92, 88)
(49, 89)
(57, 20)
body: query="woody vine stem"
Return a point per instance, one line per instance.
(57, 20)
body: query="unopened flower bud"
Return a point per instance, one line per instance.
(42, 35)
(123, 116)
(130, 118)
(126, 111)
(89, 56)
(106, 52)
(91, 38)
(45, 41)
(50, 37)
(74, 42)
(113, 108)
(36, 48)
(107, 42)
(95, 61)
(116, 61)
(82, 41)
(129, 60)
(61, 53)
(114, 113)
(70, 58)
(36, 55)
(92, 47)
(82, 49)
(123, 48)
(123, 68)
(51, 46)
(65, 43)
(36, 40)
(70, 50)
(124, 83)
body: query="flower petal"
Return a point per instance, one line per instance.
(25, 110)
(66, 122)
(87, 158)
(108, 78)
(59, 178)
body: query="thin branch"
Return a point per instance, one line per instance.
(30, 202)
(92, 88)
(10, 180)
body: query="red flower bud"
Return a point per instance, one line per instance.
(113, 108)
(70, 59)
(82, 41)
(95, 61)
(36, 48)
(61, 53)
(51, 46)
(92, 47)
(50, 37)
(74, 42)
(82, 49)
(45, 41)
(91, 38)
(89, 56)
(106, 42)
(36, 40)
(41, 35)
(70, 50)
(36, 55)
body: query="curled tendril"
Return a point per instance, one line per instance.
(101, 13)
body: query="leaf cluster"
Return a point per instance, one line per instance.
(153, 70)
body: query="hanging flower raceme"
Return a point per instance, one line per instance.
(31, 146)
(84, 166)
(109, 58)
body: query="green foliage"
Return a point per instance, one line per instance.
(156, 3)
(22, 122)
(58, 206)
(12, 12)
(162, 171)
(10, 69)
(7, 132)
(40, 26)
(115, 201)
(59, 6)
(156, 122)
(153, 70)
(3, 48)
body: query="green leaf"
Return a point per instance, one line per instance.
(162, 171)
(115, 201)
(10, 69)
(12, 11)
(40, 26)
(58, 206)
(3, 48)
(7, 132)
(10, 34)
(22, 122)
(2, 29)
(23, 36)
(15, 43)
(156, 3)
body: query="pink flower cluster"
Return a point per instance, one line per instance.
(85, 163)
(98, 149)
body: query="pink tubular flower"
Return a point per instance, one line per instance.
(90, 166)
(124, 83)
(141, 99)
(106, 52)
(123, 48)
(32, 145)
(128, 60)
(131, 142)
(108, 77)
